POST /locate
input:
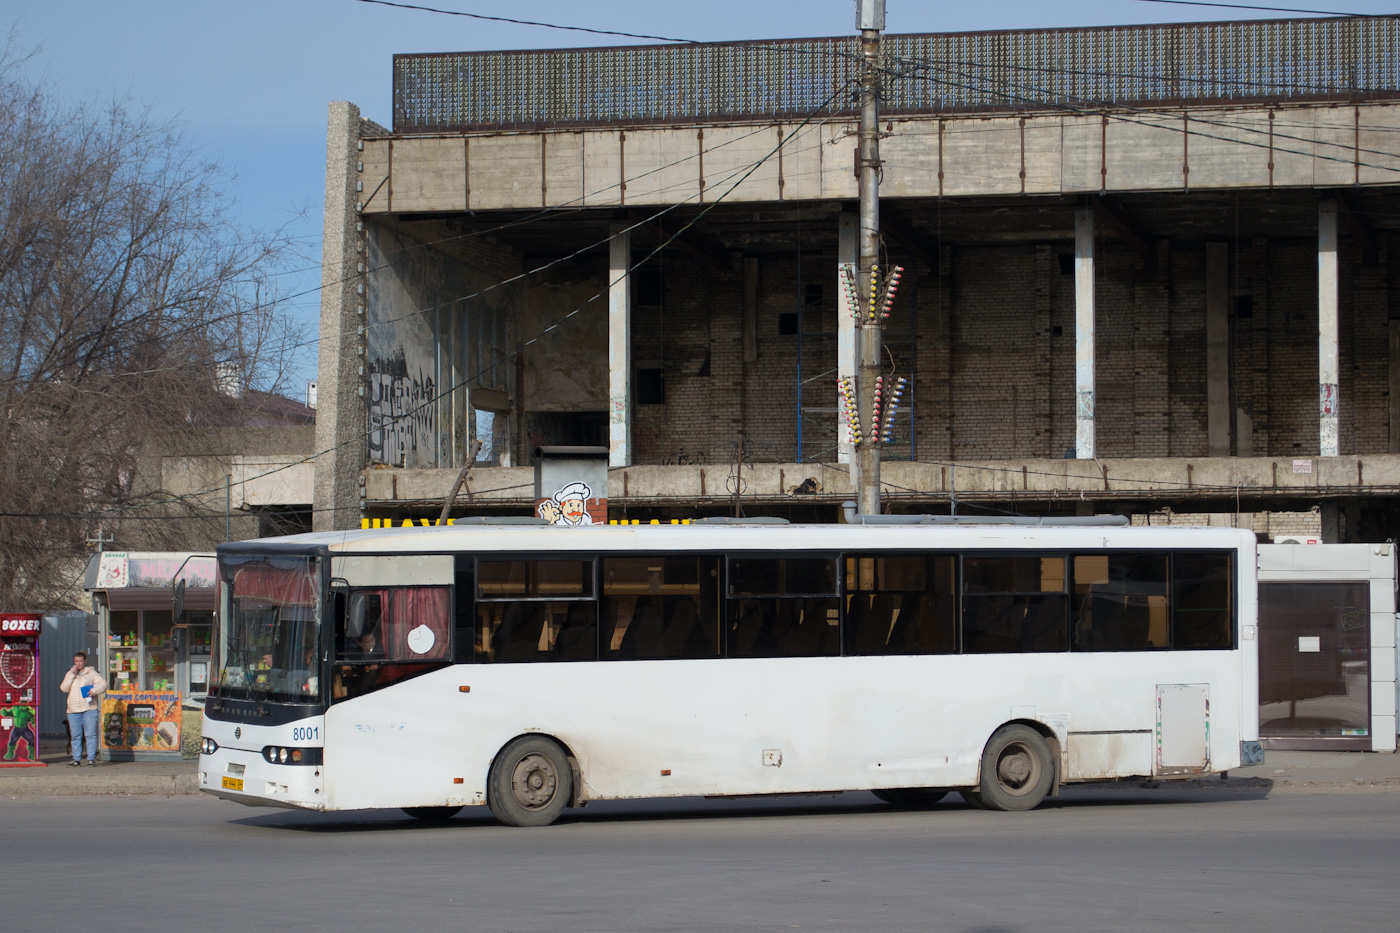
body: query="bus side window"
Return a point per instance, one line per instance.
(1014, 605)
(783, 608)
(540, 610)
(1202, 604)
(660, 607)
(1120, 602)
(900, 604)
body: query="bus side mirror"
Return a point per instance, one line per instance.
(178, 609)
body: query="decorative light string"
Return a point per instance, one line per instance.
(893, 394)
(848, 404)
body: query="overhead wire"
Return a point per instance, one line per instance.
(669, 240)
(1098, 107)
(1106, 110)
(525, 22)
(1250, 6)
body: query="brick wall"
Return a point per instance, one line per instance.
(994, 379)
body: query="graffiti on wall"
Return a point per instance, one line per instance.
(403, 412)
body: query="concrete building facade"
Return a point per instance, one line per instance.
(1150, 270)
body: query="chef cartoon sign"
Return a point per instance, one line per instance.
(568, 506)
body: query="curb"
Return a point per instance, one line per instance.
(144, 785)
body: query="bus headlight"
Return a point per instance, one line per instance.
(284, 755)
(208, 746)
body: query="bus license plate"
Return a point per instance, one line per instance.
(233, 783)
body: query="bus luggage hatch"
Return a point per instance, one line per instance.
(1183, 728)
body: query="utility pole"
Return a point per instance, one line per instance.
(870, 20)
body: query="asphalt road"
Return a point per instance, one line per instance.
(1095, 859)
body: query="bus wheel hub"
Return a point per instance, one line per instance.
(534, 781)
(1014, 769)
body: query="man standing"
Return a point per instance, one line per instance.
(83, 684)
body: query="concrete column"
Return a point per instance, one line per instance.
(750, 309)
(340, 382)
(1327, 371)
(847, 257)
(1084, 334)
(1218, 349)
(619, 347)
(1394, 382)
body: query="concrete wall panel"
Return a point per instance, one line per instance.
(374, 176)
(911, 160)
(1334, 149)
(602, 167)
(1142, 152)
(1293, 147)
(839, 161)
(563, 170)
(429, 174)
(982, 156)
(662, 166)
(803, 159)
(1063, 153)
(729, 158)
(1080, 153)
(1380, 133)
(1044, 171)
(505, 172)
(1229, 149)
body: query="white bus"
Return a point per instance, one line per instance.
(531, 669)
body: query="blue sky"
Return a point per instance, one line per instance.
(250, 81)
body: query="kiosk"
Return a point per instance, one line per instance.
(154, 663)
(19, 689)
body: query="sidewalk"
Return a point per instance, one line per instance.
(124, 778)
(1322, 770)
(1315, 772)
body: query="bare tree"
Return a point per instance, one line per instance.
(129, 300)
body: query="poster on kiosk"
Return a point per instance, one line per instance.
(19, 689)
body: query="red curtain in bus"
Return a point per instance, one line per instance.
(416, 623)
(274, 585)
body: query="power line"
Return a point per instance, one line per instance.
(527, 22)
(1104, 109)
(1248, 6)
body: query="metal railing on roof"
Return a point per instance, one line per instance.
(1348, 58)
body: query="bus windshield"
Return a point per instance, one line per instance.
(270, 629)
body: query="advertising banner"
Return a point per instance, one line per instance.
(19, 689)
(141, 721)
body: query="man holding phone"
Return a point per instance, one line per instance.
(83, 684)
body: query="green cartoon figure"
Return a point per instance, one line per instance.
(22, 731)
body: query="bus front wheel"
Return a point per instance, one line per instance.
(530, 782)
(1017, 770)
(911, 798)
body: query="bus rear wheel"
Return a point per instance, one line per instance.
(1017, 770)
(530, 782)
(432, 814)
(911, 798)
